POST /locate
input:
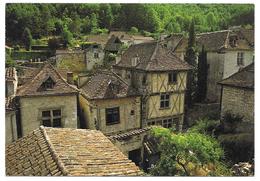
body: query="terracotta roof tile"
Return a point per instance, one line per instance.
(106, 85)
(67, 151)
(243, 78)
(10, 73)
(217, 40)
(153, 56)
(32, 86)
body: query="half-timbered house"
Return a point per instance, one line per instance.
(161, 77)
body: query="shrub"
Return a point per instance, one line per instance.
(205, 126)
(53, 43)
(17, 47)
(231, 121)
(238, 147)
(133, 30)
(185, 153)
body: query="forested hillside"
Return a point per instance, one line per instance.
(53, 19)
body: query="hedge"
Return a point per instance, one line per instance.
(27, 55)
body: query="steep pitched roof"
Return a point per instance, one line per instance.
(32, 87)
(106, 85)
(216, 40)
(243, 78)
(153, 56)
(213, 41)
(113, 44)
(67, 151)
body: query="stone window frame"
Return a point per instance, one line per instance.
(52, 117)
(172, 78)
(164, 100)
(240, 58)
(113, 110)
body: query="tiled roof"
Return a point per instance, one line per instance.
(243, 78)
(113, 44)
(10, 73)
(100, 39)
(67, 151)
(153, 56)
(106, 85)
(129, 134)
(31, 87)
(217, 40)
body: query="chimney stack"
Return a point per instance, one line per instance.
(70, 77)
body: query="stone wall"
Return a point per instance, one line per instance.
(238, 101)
(230, 64)
(79, 60)
(10, 127)
(94, 113)
(215, 63)
(31, 110)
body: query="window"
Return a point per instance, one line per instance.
(240, 58)
(166, 123)
(112, 116)
(165, 101)
(51, 118)
(172, 78)
(48, 84)
(96, 55)
(132, 112)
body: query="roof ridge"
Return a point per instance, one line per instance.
(53, 153)
(211, 32)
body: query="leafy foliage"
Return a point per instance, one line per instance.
(27, 39)
(183, 153)
(205, 126)
(50, 19)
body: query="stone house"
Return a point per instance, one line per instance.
(94, 55)
(80, 60)
(66, 152)
(11, 83)
(160, 76)
(237, 96)
(113, 45)
(46, 99)
(227, 52)
(109, 104)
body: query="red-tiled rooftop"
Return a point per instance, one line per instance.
(67, 151)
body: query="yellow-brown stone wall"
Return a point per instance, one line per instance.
(32, 107)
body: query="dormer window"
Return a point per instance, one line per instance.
(48, 84)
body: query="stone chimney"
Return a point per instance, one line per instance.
(11, 81)
(70, 77)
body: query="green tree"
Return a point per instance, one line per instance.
(202, 75)
(211, 20)
(190, 58)
(9, 62)
(66, 37)
(179, 152)
(27, 39)
(105, 16)
(93, 22)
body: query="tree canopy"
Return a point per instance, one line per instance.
(186, 153)
(49, 19)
